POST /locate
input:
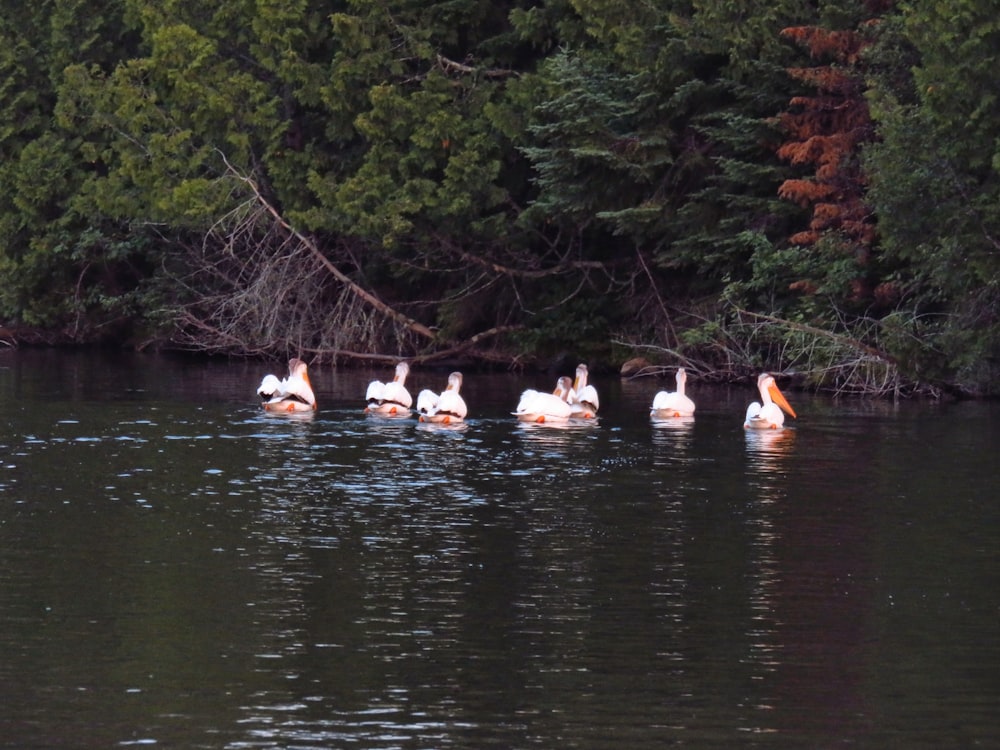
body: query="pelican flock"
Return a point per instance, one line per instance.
(290, 394)
(572, 399)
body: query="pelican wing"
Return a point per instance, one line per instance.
(270, 387)
(299, 389)
(763, 417)
(527, 397)
(542, 406)
(297, 386)
(664, 400)
(553, 406)
(772, 415)
(374, 392)
(753, 414)
(450, 402)
(588, 395)
(427, 402)
(396, 392)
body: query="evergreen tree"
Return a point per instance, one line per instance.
(64, 269)
(936, 189)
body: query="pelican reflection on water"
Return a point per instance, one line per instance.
(563, 439)
(768, 455)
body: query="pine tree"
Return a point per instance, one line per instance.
(825, 131)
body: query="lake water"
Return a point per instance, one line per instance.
(178, 569)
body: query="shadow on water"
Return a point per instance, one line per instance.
(181, 569)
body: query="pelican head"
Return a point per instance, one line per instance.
(563, 388)
(298, 368)
(769, 393)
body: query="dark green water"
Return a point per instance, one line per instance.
(178, 569)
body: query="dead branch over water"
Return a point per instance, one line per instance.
(257, 286)
(750, 342)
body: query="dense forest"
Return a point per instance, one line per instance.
(808, 187)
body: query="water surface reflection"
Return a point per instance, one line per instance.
(179, 568)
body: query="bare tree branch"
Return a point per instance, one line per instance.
(364, 294)
(452, 66)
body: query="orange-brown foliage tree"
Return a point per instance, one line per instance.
(825, 131)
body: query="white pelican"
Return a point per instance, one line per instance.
(390, 399)
(293, 393)
(669, 404)
(583, 398)
(542, 407)
(448, 407)
(767, 414)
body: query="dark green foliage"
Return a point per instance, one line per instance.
(589, 160)
(531, 178)
(62, 268)
(936, 188)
